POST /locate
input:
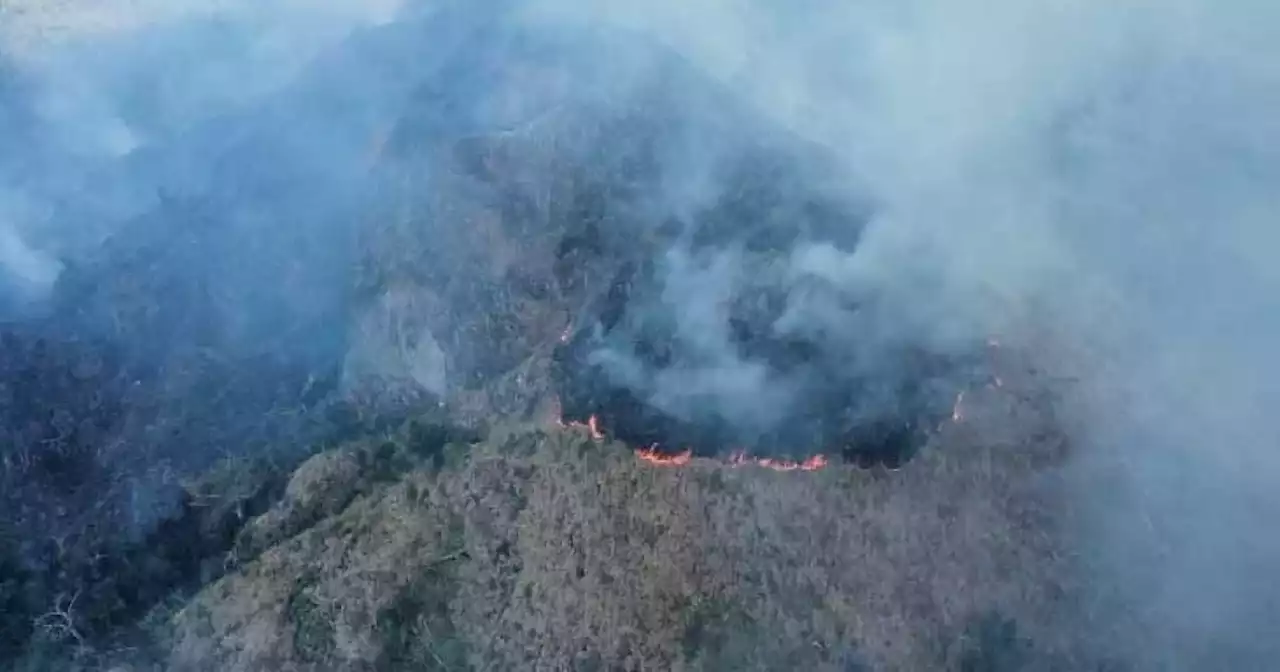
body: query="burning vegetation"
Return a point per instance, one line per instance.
(632, 373)
(657, 456)
(674, 454)
(653, 456)
(694, 341)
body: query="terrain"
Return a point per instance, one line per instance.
(356, 377)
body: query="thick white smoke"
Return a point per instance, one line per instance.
(1108, 167)
(107, 78)
(30, 272)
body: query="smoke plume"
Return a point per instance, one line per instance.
(1110, 169)
(1092, 180)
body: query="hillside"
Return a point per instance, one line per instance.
(474, 345)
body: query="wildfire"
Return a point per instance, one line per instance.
(740, 459)
(652, 456)
(656, 457)
(811, 464)
(592, 425)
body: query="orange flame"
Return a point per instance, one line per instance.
(652, 456)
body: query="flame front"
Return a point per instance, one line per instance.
(652, 456)
(740, 459)
(656, 457)
(811, 464)
(592, 425)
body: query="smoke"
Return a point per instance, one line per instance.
(30, 273)
(1107, 168)
(1114, 164)
(85, 86)
(1103, 170)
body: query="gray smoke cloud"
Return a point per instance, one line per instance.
(1114, 164)
(1104, 170)
(1108, 167)
(86, 84)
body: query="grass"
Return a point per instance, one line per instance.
(542, 548)
(417, 545)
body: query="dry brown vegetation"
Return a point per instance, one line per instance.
(536, 547)
(542, 549)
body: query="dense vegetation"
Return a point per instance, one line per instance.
(299, 409)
